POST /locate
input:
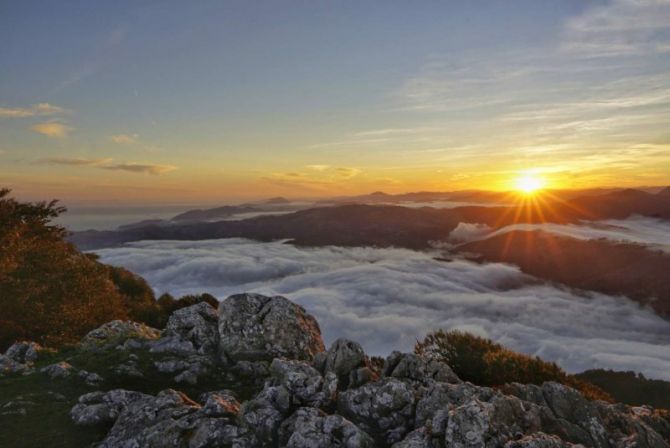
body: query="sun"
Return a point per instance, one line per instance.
(529, 183)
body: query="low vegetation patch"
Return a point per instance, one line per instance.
(485, 363)
(52, 293)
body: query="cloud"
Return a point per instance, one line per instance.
(466, 231)
(41, 109)
(73, 161)
(347, 173)
(638, 229)
(318, 167)
(101, 58)
(124, 139)
(141, 168)
(620, 28)
(52, 129)
(387, 298)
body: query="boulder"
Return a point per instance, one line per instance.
(419, 438)
(61, 369)
(263, 414)
(24, 352)
(103, 407)
(90, 378)
(310, 428)
(384, 409)
(220, 404)
(417, 368)
(539, 440)
(192, 329)
(304, 383)
(254, 327)
(348, 362)
(118, 332)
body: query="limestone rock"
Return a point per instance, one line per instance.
(254, 327)
(310, 428)
(24, 352)
(191, 330)
(304, 383)
(220, 404)
(61, 369)
(347, 360)
(414, 367)
(263, 414)
(118, 332)
(384, 409)
(103, 407)
(419, 438)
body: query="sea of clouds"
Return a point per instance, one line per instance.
(651, 232)
(386, 299)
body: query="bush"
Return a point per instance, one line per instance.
(485, 363)
(49, 291)
(52, 293)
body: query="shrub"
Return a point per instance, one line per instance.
(483, 362)
(49, 291)
(52, 293)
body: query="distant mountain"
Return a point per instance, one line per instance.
(382, 225)
(211, 214)
(596, 265)
(276, 201)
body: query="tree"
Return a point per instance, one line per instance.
(49, 291)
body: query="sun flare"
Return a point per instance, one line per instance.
(529, 183)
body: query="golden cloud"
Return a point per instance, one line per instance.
(52, 129)
(141, 168)
(124, 139)
(40, 109)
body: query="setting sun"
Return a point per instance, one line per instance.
(529, 183)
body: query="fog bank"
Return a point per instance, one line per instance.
(388, 298)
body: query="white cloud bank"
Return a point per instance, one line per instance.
(651, 232)
(388, 298)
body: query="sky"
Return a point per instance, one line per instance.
(167, 102)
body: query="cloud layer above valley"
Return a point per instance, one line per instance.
(652, 232)
(388, 298)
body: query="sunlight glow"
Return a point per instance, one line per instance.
(529, 183)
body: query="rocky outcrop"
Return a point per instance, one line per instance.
(253, 327)
(284, 389)
(20, 358)
(347, 361)
(191, 330)
(118, 332)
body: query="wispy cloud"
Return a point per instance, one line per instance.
(124, 139)
(319, 178)
(73, 161)
(318, 167)
(98, 60)
(146, 168)
(620, 28)
(347, 173)
(40, 109)
(52, 129)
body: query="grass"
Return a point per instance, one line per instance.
(47, 422)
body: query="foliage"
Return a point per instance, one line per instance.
(630, 387)
(49, 291)
(483, 362)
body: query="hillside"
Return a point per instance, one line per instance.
(386, 225)
(595, 265)
(256, 373)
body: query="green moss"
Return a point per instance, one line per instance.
(47, 421)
